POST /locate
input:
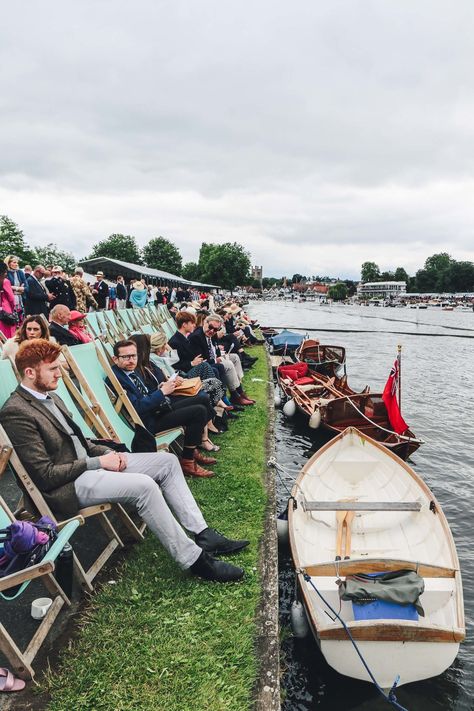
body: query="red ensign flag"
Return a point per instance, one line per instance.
(389, 397)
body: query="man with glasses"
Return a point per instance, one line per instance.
(159, 413)
(73, 473)
(228, 367)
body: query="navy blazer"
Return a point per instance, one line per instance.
(199, 345)
(181, 344)
(35, 298)
(62, 335)
(147, 406)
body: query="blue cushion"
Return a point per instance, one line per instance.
(382, 610)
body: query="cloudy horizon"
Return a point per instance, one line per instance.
(318, 136)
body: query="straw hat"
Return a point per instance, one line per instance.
(157, 341)
(100, 274)
(233, 309)
(138, 285)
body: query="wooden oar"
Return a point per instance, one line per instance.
(348, 524)
(340, 516)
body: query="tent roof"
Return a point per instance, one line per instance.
(114, 267)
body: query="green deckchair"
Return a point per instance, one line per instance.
(91, 368)
(8, 383)
(21, 661)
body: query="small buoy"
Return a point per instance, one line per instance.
(289, 408)
(282, 527)
(315, 419)
(299, 621)
(277, 397)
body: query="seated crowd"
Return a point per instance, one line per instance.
(73, 472)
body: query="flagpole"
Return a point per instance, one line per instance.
(399, 358)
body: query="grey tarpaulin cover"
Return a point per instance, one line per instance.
(400, 586)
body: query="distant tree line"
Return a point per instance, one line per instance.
(227, 265)
(441, 273)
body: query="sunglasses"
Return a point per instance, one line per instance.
(213, 328)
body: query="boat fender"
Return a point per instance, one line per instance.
(282, 527)
(299, 621)
(277, 397)
(315, 420)
(289, 408)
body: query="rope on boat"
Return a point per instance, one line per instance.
(390, 697)
(273, 464)
(384, 429)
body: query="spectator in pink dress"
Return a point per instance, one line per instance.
(7, 303)
(77, 327)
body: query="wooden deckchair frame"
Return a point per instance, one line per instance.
(21, 661)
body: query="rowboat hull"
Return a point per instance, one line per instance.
(370, 417)
(398, 525)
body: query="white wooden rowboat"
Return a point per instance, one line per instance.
(397, 524)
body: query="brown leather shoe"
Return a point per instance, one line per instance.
(191, 468)
(249, 399)
(202, 458)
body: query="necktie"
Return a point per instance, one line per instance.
(212, 350)
(138, 383)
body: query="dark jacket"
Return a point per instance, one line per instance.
(147, 406)
(62, 335)
(49, 457)
(102, 289)
(182, 345)
(62, 292)
(121, 291)
(35, 298)
(199, 345)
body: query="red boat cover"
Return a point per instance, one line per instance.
(293, 371)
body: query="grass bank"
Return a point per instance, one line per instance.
(159, 640)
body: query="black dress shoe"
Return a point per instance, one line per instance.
(212, 541)
(210, 568)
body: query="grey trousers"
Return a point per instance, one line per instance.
(154, 483)
(233, 371)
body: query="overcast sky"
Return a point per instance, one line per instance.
(317, 134)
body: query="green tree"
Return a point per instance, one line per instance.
(227, 265)
(191, 271)
(351, 287)
(401, 275)
(387, 276)
(12, 241)
(117, 246)
(337, 292)
(50, 254)
(162, 254)
(369, 272)
(297, 278)
(462, 276)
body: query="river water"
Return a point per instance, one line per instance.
(438, 404)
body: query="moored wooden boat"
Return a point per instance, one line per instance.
(395, 523)
(367, 412)
(326, 359)
(311, 390)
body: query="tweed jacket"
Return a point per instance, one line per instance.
(45, 449)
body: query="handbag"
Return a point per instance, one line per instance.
(143, 440)
(25, 544)
(189, 387)
(9, 319)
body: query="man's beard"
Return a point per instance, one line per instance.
(41, 386)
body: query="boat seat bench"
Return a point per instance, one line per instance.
(361, 505)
